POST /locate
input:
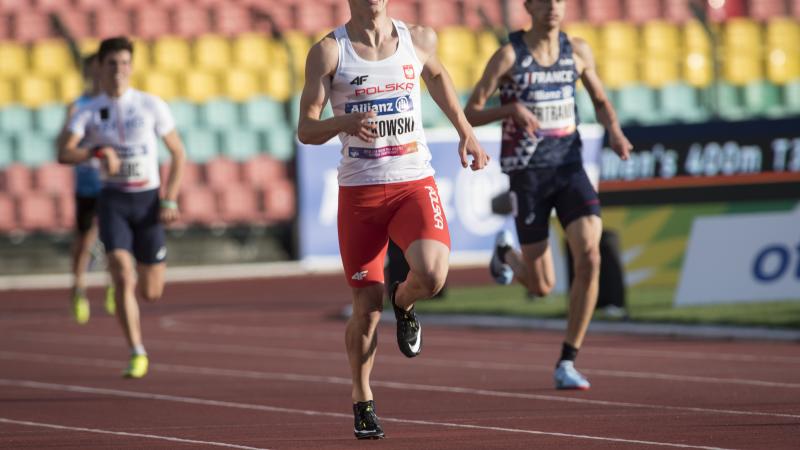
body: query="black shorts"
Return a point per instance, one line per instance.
(538, 191)
(85, 211)
(130, 221)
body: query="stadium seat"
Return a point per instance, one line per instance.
(239, 144)
(240, 84)
(767, 9)
(602, 11)
(586, 111)
(658, 71)
(54, 178)
(585, 31)
(34, 149)
(783, 66)
(783, 50)
(299, 43)
(791, 97)
(742, 35)
(218, 114)
(150, 22)
(199, 206)
(617, 72)
(438, 13)
(212, 53)
(641, 11)
(314, 16)
(171, 54)
(30, 26)
(637, 104)
(573, 12)
(49, 119)
(190, 20)
(695, 38)
(15, 60)
(661, 38)
(261, 170)
(221, 171)
(110, 22)
(238, 204)
(277, 83)
(37, 212)
(406, 11)
(200, 86)
(141, 57)
(782, 32)
(8, 214)
(229, 19)
(14, 5)
(278, 200)
(762, 98)
(16, 179)
(794, 8)
(280, 142)
(6, 93)
(474, 10)
(6, 157)
(730, 101)
(619, 39)
(191, 177)
(200, 143)
(698, 69)
(249, 50)
(487, 44)
(740, 68)
(35, 91)
(15, 119)
(76, 21)
(162, 84)
(50, 58)
(70, 86)
(263, 112)
(457, 45)
(65, 210)
(681, 103)
(185, 113)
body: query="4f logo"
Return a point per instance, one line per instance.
(359, 80)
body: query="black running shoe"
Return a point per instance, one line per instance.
(409, 331)
(366, 425)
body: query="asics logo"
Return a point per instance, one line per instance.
(438, 218)
(360, 275)
(530, 218)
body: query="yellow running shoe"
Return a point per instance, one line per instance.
(80, 308)
(137, 368)
(110, 304)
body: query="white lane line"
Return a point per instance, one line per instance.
(124, 433)
(250, 406)
(55, 338)
(292, 377)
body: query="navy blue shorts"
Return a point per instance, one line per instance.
(538, 191)
(130, 221)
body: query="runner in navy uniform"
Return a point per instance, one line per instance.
(536, 73)
(121, 127)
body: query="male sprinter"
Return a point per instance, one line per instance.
(87, 187)
(370, 69)
(121, 126)
(541, 152)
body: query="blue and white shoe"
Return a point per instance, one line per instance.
(566, 377)
(501, 272)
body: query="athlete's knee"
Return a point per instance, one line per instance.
(540, 287)
(151, 293)
(432, 280)
(587, 262)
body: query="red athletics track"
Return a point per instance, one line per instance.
(261, 364)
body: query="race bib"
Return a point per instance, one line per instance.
(134, 166)
(556, 117)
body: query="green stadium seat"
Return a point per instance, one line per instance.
(239, 144)
(586, 111)
(681, 102)
(6, 157)
(279, 143)
(730, 101)
(263, 112)
(763, 98)
(432, 116)
(49, 119)
(791, 97)
(15, 119)
(637, 104)
(34, 149)
(218, 114)
(200, 143)
(185, 113)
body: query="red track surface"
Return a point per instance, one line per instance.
(261, 364)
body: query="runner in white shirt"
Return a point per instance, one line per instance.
(370, 69)
(121, 127)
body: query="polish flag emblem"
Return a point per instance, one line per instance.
(408, 71)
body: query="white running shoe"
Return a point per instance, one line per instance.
(501, 272)
(566, 377)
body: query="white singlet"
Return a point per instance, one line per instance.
(131, 124)
(390, 87)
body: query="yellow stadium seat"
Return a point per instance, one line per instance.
(251, 51)
(742, 35)
(588, 33)
(661, 38)
(141, 56)
(659, 71)
(698, 70)
(171, 54)
(619, 39)
(456, 44)
(783, 66)
(212, 53)
(199, 87)
(783, 32)
(51, 57)
(88, 46)
(740, 69)
(240, 84)
(277, 83)
(618, 72)
(14, 60)
(461, 74)
(695, 38)
(162, 84)
(487, 44)
(6, 92)
(35, 91)
(70, 86)
(299, 43)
